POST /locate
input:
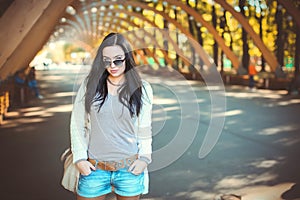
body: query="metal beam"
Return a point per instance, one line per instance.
(15, 26)
(35, 39)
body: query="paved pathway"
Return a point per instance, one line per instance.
(256, 156)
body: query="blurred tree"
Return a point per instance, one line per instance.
(245, 55)
(191, 30)
(280, 35)
(199, 33)
(214, 22)
(176, 63)
(165, 42)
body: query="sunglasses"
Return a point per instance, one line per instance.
(117, 62)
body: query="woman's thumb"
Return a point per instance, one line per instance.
(92, 167)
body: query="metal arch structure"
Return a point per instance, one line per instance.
(134, 25)
(143, 18)
(267, 54)
(231, 56)
(179, 26)
(148, 50)
(141, 42)
(193, 42)
(269, 57)
(23, 38)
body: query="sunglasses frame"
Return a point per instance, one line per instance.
(109, 63)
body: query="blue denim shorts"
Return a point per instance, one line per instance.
(101, 182)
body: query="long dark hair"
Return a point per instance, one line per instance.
(130, 94)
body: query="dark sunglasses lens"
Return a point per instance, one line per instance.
(118, 62)
(106, 63)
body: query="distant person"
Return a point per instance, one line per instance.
(20, 85)
(46, 65)
(32, 83)
(252, 72)
(294, 87)
(113, 107)
(20, 78)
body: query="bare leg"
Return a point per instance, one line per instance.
(96, 198)
(128, 198)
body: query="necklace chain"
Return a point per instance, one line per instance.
(113, 83)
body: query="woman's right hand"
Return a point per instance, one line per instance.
(85, 167)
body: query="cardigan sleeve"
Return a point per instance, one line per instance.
(79, 127)
(144, 131)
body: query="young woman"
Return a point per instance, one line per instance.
(111, 125)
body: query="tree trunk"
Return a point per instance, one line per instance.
(214, 22)
(191, 29)
(245, 56)
(263, 62)
(279, 41)
(175, 64)
(166, 45)
(200, 39)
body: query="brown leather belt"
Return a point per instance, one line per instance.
(113, 165)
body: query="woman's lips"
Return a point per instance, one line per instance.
(114, 71)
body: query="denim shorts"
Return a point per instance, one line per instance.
(101, 182)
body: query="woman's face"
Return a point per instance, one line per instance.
(114, 60)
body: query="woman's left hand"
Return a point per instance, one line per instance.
(137, 167)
